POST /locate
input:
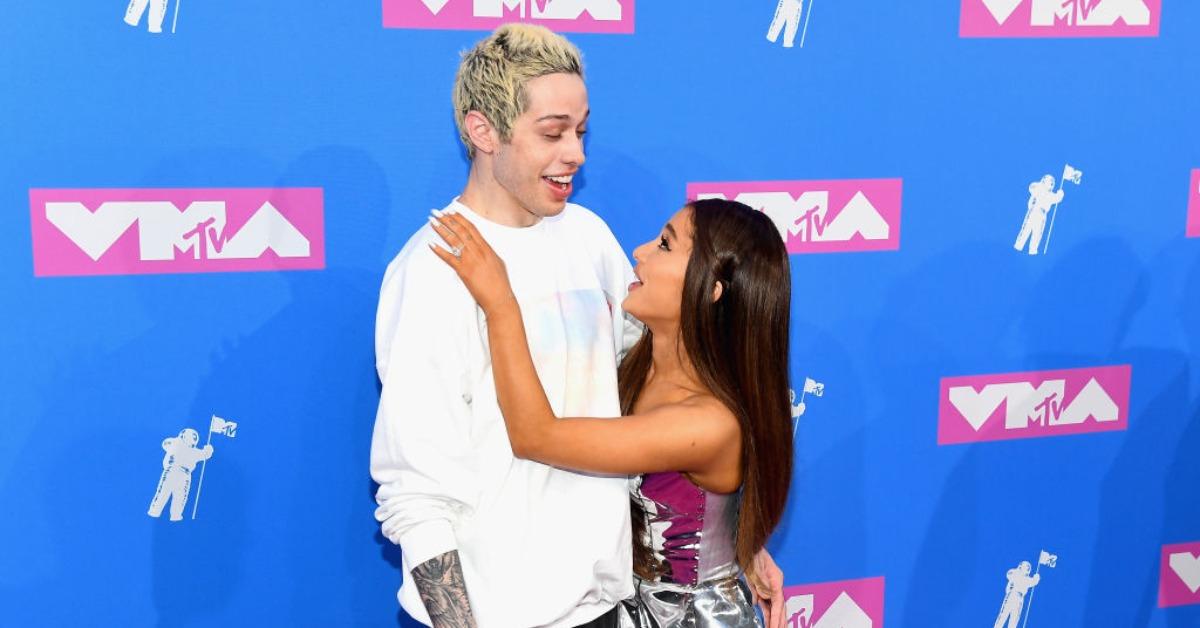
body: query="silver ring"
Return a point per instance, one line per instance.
(456, 251)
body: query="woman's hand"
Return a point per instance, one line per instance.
(766, 583)
(473, 259)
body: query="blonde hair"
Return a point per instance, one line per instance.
(492, 76)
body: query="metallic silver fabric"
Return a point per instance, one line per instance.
(721, 603)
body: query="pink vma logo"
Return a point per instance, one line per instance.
(91, 231)
(1179, 576)
(579, 16)
(1060, 18)
(1193, 222)
(980, 408)
(844, 604)
(821, 216)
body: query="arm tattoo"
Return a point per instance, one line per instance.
(440, 583)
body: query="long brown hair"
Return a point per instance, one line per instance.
(738, 346)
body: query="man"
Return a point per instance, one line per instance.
(488, 539)
(1019, 583)
(176, 480)
(1042, 196)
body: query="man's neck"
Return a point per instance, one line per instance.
(486, 197)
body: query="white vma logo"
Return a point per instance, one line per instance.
(179, 461)
(811, 387)
(787, 21)
(539, 9)
(1027, 405)
(843, 613)
(158, 11)
(1020, 585)
(804, 217)
(163, 230)
(1044, 199)
(1074, 12)
(1187, 566)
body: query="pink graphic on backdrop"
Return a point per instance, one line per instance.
(569, 16)
(1060, 18)
(1193, 221)
(978, 408)
(843, 604)
(1179, 576)
(832, 216)
(184, 230)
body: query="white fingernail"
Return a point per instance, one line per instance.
(436, 212)
(434, 221)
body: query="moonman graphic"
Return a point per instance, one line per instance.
(1042, 197)
(787, 13)
(158, 11)
(1019, 583)
(181, 457)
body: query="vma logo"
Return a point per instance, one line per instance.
(578, 16)
(91, 231)
(844, 604)
(179, 461)
(1193, 221)
(1060, 18)
(846, 215)
(1179, 576)
(979, 408)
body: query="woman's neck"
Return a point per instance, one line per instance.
(669, 363)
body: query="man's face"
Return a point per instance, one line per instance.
(546, 148)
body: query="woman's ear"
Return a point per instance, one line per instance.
(718, 290)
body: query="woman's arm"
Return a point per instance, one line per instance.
(694, 435)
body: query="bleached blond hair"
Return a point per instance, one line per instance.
(492, 76)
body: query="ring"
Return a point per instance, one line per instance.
(456, 251)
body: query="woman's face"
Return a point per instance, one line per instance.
(661, 266)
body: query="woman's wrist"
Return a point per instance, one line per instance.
(503, 307)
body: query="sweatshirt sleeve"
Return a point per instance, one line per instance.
(421, 449)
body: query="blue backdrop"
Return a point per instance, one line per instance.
(97, 370)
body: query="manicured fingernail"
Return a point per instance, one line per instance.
(436, 212)
(434, 221)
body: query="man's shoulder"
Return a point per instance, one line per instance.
(417, 270)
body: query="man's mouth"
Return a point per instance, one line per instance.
(561, 183)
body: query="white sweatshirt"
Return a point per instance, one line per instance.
(539, 546)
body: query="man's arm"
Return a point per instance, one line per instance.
(443, 591)
(422, 453)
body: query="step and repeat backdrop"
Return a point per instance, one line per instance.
(994, 213)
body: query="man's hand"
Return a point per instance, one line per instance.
(766, 583)
(443, 591)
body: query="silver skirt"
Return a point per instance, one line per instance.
(721, 603)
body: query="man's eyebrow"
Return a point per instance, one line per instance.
(563, 117)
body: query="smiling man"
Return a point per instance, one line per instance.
(488, 539)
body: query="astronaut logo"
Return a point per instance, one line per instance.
(1193, 221)
(811, 387)
(1179, 576)
(179, 461)
(788, 20)
(1019, 589)
(1044, 199)
(118, 232)
(847, 215)
(980, 408)
(1060, 18)
(844, 604)
(580, 16)
(158, 11)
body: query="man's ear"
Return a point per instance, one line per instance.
(481, 133)
(718, 290)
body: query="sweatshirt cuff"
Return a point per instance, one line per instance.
(427, 540)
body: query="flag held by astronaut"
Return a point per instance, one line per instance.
(1048, 559)
(813, 387)
(221, 426)
(1072, 175)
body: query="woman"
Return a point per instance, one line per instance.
(704, 393)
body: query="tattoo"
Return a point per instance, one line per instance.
(443, 591)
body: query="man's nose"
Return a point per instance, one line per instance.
(574, 153)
